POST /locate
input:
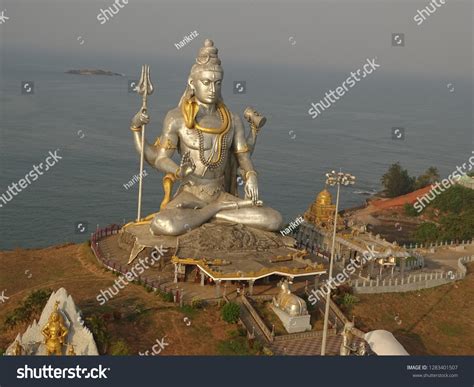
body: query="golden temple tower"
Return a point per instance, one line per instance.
(321, 211)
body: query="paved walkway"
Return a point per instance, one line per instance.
(309, 346)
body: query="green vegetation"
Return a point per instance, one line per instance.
(426, 232)
(456, 199)
(344, 297)
(451, 330)
(165, 296)
(230, 312)
(431, 176)
(197, 303)
(29, 308)
(188, 310)
(410, 210)
(98, 327)
(119, 348)
(456, 222)
(237, 344)
(397, 181)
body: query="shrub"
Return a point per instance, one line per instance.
(97, 325)
(426, 232)
(410, 210)
(230, 312)
(119, 348)
(349, 300)
(165, 296)
(197, 303)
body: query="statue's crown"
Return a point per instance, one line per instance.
(207, 58)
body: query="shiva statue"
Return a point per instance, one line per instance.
(55, 332)
(212, 144)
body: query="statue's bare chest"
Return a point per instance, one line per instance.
(191, 139)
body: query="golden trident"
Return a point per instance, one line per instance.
(144, 88)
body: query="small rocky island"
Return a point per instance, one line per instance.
(93, 72)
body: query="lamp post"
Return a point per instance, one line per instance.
(333, 179)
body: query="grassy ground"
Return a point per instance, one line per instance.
(134, 318)
(437, 321)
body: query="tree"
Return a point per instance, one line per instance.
(396, 181)
(430, 176)
(230, 312)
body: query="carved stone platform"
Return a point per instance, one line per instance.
(224, 251)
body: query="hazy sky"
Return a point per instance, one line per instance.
(316, 34)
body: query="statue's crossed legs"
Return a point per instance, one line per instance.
(186, 211)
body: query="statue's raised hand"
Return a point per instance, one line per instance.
(140, 119)
(186, 166)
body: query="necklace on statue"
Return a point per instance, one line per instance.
(221, 146)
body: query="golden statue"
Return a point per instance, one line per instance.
(70, 350)
(55, 332)
(18, 349)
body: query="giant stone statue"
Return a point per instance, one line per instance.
(212, 144)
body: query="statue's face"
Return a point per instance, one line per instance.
(207, 86)
(55, 317)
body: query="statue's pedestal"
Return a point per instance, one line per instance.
(223, 251)
(293, 324)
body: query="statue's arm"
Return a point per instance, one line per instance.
(151, 152)
(166, 145)
(159, 154)
(240, 146)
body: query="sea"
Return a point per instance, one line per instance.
(87, 118)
